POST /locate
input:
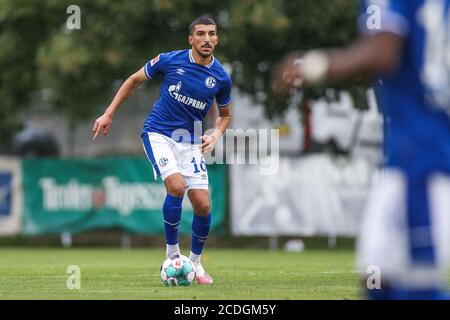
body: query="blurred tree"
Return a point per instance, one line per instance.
(38, 51)
(23, 27)
(269, 29)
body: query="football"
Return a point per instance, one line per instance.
(177, 272)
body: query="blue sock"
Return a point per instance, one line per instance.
(200, 230)
(425, 294)
(378, 294)
(407, 294)
(172, 218)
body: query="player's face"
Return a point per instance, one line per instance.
(203, 39)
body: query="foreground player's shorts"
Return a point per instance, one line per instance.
(168, 157)
(405, 231)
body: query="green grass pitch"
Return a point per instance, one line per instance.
(36, 273)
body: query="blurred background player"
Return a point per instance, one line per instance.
(172, 133)
(406, 226)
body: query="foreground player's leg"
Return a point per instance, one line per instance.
(404, 235)
(172, 213)
(200, 230)
(427, 221)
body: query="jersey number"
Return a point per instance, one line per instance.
(202, 165)
(436, 68)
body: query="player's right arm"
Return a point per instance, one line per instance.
(103, 123)
(377, 52)
(362, 59)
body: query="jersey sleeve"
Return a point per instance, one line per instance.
(393, 16)
(223, 97)
(158, 65)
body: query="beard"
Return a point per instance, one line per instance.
(203, 54)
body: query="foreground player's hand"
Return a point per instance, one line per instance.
(296, 70)
(209, 141)
(287, 73)
(102, 125)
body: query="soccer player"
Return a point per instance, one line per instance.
(172, 135)
(405, 234)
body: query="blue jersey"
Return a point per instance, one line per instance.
(415, 98)
(186, 94)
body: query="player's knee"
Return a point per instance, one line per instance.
(203, 209)
(176, 189)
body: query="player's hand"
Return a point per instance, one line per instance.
(102, 125)
(209, 141)
(287, 73)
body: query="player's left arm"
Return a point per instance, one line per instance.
(222, 122)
